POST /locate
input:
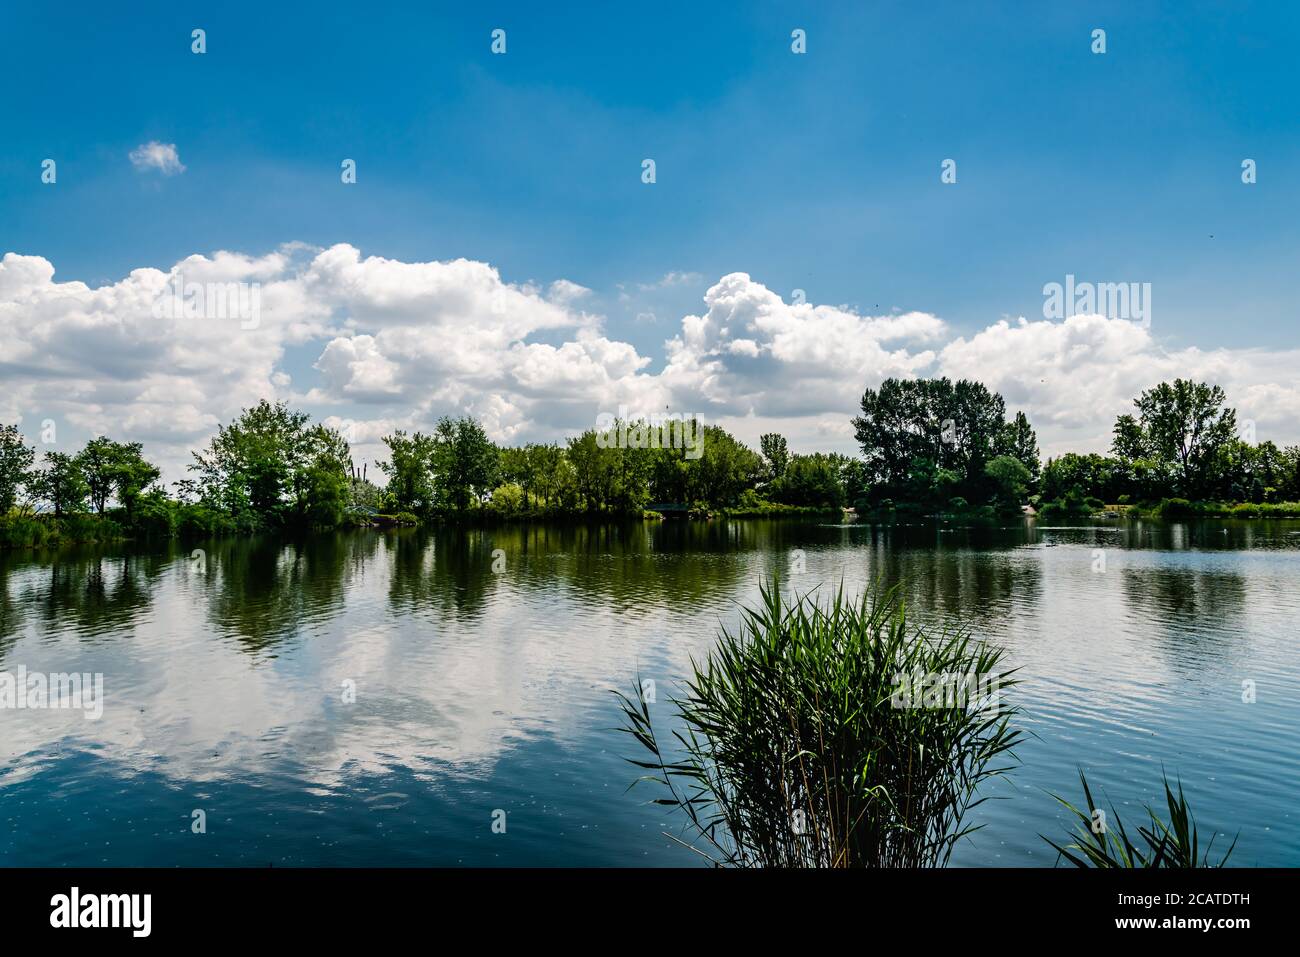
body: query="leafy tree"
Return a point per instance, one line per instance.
(724, 469)
(775, 452)
(263, 462)
(464, 463)
(1183, 422)
(548, 472)
(98, 461)
(918, 433)
(593, 470)
(1018, 440)
(61, 484)
(16, 458)
(328, 494)
(1092, 475)
(811, 481)
(1011, 478)
(132, 476)
(410, 472)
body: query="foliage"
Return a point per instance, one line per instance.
(16, 458)
(1181, 422)
(796, 751)
(925, 441)
(1011, 482)
(464, 464)
(269, 464)
(776, 453)
(1170, 844)
(61, 483)
(811, 481)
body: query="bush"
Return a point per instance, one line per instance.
(1175, 508)
(507, 499)
(799, 752)
(201, 521)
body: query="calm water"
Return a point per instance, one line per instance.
(479, 690)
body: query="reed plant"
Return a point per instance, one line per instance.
(799, 744)
(1104, 842)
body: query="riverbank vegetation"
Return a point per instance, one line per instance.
(929, 448)
(840, 734)
(795, 750)
(1185, 453)
(1104, 842)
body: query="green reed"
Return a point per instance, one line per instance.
(1174, 843)
(794, 747)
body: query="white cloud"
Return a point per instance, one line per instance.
(375, 344)
(673, 278)
(160, 156)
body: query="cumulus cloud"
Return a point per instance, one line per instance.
(1073, 377)
(157, 156)
(370, 344)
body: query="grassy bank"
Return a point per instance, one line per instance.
(42, 531)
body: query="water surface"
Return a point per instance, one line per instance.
(228, 676)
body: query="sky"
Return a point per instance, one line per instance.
(500, 253)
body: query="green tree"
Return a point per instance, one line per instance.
(132, 476)
(1183, 422)
(1011, 479)
(410, 472)
(725, 468)
(914, 433)
(16, 458)
(98, 462)
(1018, 440)
(775, 452)
(262, 464)
(593, 469)
(61, 484)
(812, 481)
(464, 463)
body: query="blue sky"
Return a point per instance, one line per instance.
(818, 172)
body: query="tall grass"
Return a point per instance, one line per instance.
(795, 748)
(1103, 843)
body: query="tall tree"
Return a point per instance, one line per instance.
(775, 452)
(465, 463)
(61, 484)
(918, 434)
(410, 472)
(266, 463)
(132, 476)
(1017, 439)
(1183, 422)
(16, 458)
(98, 461)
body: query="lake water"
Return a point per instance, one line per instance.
(478, 691)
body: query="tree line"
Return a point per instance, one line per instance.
(930, 446)
(1182, 444)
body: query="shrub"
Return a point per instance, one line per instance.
(1175, 508)
(507, 499)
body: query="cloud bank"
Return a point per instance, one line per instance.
(370, 344)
